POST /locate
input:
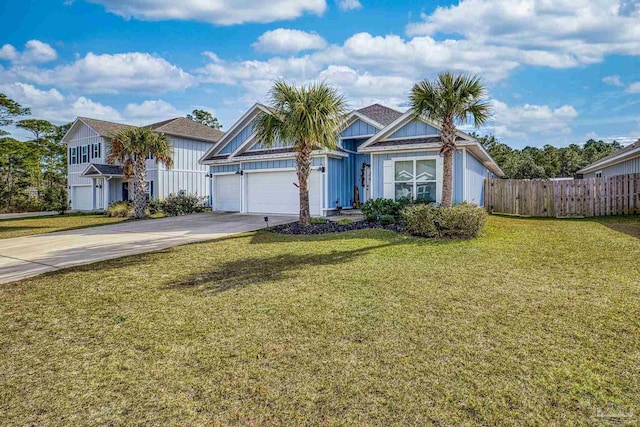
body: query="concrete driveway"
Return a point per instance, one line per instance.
(24, 257)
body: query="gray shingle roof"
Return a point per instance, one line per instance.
(105, 170)
(618, 153)
(103, 127)
(411, 141)
(181, 126)
(381, 114)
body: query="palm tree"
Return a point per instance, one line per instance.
(130, 147)
(310, 116)
(448, 100)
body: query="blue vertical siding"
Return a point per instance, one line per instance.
(277, 144)
(224, 168)
(474, 182)
(458, 177)
(358, 128)
(414, 128)
(237, 140)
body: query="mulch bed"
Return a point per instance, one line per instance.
(332, 227)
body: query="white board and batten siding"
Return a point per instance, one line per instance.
(84, 135)
(186, 174)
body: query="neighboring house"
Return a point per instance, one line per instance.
(381, 153)
(93, 184)
(622, 162)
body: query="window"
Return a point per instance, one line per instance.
(149, 189)
(85, 154)
(599, 174)
(95, 150)
(73, 159)
(415, 180)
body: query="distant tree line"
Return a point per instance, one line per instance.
(548, 161)
(33, 172)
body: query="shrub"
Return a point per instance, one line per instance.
(182, 204)
(345, 221)
(387, 219)
(120, 209)
(461, 221)
(318, 220)
(374, 208)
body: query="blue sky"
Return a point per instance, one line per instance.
(557, 71)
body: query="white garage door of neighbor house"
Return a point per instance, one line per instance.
(226, 193)
(82, 198)
(275, 192)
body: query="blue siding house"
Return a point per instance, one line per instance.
(381, 152)
(623, 162)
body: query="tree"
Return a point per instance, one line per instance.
(205, 117)
(130, 148)
(448, 100)
(310, 116)
(39, 128)
(9, 109)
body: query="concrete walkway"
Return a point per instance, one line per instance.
(26, 215)
(29, 256)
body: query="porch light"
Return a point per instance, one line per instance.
(240, 172)
(321, 169)
(266, 219)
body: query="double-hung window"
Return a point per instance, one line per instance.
(95, 150)
(85, 154)
(415, 179)
(73, 159)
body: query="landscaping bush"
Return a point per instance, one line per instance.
(345, 221)
(387, 219)
(374, 208)
(182, 204)
(120, 210)
(318, 220)
(461, 221)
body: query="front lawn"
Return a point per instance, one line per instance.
(538, 323)
(20, 227)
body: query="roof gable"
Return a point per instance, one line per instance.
(358, 128)
(78, 130)
(414, 128)
(102, 127)
(380, 114)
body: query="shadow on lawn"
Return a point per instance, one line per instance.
(254, 271)
(629, 225)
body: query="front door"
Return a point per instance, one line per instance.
(366, 182)
(125, 191)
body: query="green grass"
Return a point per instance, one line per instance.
(47, 224)
(537, 323)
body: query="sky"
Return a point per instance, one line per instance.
(556, 71)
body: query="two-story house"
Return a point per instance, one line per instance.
(381, 152)
(93, 184)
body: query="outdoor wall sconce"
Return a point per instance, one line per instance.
(321, 169)
(240, 172)
(208, 175)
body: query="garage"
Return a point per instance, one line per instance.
(82, 198)
(275, 192)
(226, 193)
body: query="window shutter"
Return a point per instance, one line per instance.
(151, 189)
(439, 180)
(387, 180)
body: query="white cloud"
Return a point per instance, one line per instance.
(135, 71)
(150, 111)
(349, 4)
(634, 87)
(221, 12)
(526, 120)
(555, 33)
(613, 81)
(8, 52)
(284, 40)
(35, 51)
(53, 106)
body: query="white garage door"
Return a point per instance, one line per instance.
(274, 192)
(82, 198)
(226, 193)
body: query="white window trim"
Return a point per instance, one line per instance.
(414, 192)
(598, 174)
(438, 179)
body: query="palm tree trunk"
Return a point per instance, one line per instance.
(140, 187)
(303, 168)
(447, 150)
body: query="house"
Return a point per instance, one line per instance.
(381, 153)
(623, 162)
(93, 184)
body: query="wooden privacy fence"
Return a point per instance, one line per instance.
(615, 195)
